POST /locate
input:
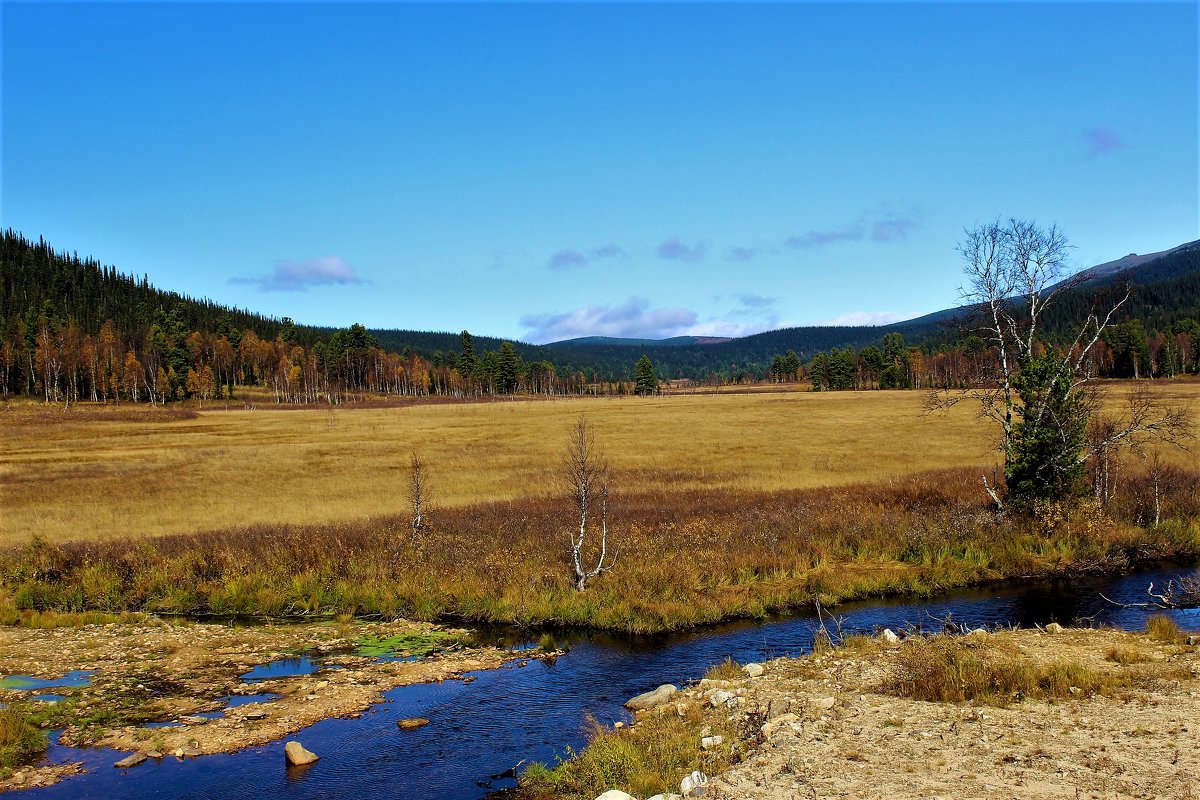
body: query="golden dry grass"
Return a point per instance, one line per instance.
(96, 474)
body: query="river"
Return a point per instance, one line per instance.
(533, 710)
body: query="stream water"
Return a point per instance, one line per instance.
(532, 711)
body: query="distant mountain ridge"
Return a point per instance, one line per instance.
(1144, 270)
(34, 280)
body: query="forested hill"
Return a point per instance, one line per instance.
(38, 282)
(1165, 288)
(35, 279)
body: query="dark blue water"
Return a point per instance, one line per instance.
(286, 668)
(235, 700)
(532, 712)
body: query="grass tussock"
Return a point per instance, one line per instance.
(727, 670)
(20, 741)
(1123, 654)
(1161, 628)
(688, 557)
(946, 669)
(647, 759)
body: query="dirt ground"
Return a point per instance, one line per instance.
(828, 729)
(158, 672)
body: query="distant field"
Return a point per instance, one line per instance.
(100, 473)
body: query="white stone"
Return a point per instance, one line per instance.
(1054, 627)
(722, 698)
(694, 785)
(616, 794)
(824, 703)
(652, 698)
(890, 636)
(753, 670)
(709, 742)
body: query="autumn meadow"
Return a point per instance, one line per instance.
(721, 505)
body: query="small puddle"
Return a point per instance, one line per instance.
(49, 698)
(21, 683)
(286, 668)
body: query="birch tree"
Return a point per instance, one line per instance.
(586, 475)
(1038, 395)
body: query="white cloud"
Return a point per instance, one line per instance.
(633, 319)
(866, 318)
(297, 276)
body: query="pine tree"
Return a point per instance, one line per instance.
(644, 380)
(466, 360)
(508, 369)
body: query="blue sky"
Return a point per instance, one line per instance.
(548, 171)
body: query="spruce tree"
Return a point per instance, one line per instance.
(466, 360)
(644, 380)
(508, 369)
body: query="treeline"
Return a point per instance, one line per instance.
(73, 329)
(54, 358)
(1126, 350)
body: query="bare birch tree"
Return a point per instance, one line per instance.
(586, 476)
(419, 491)
(1037, 396)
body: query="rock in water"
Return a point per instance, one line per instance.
(651, 699)
(615, 794)
(412, 723)
(130, 761)
(297, 756)
(694, 785)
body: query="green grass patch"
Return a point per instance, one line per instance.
(403, 645)
(20, 740)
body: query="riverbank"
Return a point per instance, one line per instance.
(176, 690)
(1014, 714)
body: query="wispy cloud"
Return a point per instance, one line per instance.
(674, 249)
(634, 318)
(884, 229)
(571, 258)
(820, 238)
(742, 254)
(865, 318)
(1102, 141)
(756, 300)
(889, 229)
(297, 276)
